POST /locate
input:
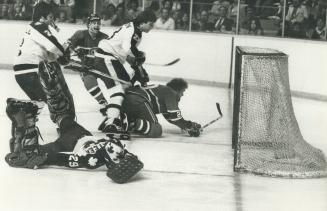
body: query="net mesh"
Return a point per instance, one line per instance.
(269, 141)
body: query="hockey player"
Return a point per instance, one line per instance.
(75, 148)
(114, 51)
(38, 45)
(90, 38)
(41, 49)
(142, 104)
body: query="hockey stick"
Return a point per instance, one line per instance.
(79, 65)
(164, 65)
(92, 50)
(215, 120)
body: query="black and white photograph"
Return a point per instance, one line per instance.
(163, 105)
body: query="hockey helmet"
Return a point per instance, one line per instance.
(93, 17)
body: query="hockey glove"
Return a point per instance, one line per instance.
(64, 59)
(140, 58)
(194, 130)
(140, 75)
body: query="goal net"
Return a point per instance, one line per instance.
(266, 136)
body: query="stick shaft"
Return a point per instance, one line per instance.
(166, 64)
(103, 74)
(215, 120)
(211, 122)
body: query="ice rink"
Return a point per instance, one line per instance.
(180, 172)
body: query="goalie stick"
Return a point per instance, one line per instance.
(164, 65)
(79, 65)
(215, 120)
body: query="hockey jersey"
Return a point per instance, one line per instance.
(124, 41)
(89, 152)
(84, 39)
(38, 44)
(164, 100)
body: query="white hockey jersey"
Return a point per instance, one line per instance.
(122, 42)
(38, 44)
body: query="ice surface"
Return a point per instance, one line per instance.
(180, 173)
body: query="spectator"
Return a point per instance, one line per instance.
(4, 11)
(249, 14)
(183, 22)
(106, 3)
(203, 23)
(215, 7)
(295, 18)
(255, 27)
(165, 21)
(62, 17)
(133, 11)
(155, 7)
(108, 15)
(167, 4)
(319, 32)
(18, 12)
(66, 10)
(223, 24)
(177, 15)
(176, 5)
(120, 17)
(318, 9)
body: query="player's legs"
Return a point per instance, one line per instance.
(30, 84)
(92, 86)
(142, 120)
(112, 123)
(61, 107)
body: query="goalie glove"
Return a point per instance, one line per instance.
(194, 129)
(140, 75)
(23, 159)
(140, 58)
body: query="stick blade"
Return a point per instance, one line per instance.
(218, 108)
(173, 62)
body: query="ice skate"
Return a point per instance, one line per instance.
(115, 130)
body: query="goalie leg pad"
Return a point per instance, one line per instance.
(124, 170)
(59, 98)
(23, 115)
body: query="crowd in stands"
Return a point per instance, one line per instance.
(303, 18)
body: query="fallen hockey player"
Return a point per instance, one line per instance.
(75, 148)
(143, 103)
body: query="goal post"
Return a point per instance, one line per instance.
(266, 137)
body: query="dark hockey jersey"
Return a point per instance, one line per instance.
(163, 100)
(83, 38)
(90, 152)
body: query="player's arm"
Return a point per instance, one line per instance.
(43, 36)
(73, 160)
(174, 115)
(75, 40)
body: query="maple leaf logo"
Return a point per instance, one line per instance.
(92, 161)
